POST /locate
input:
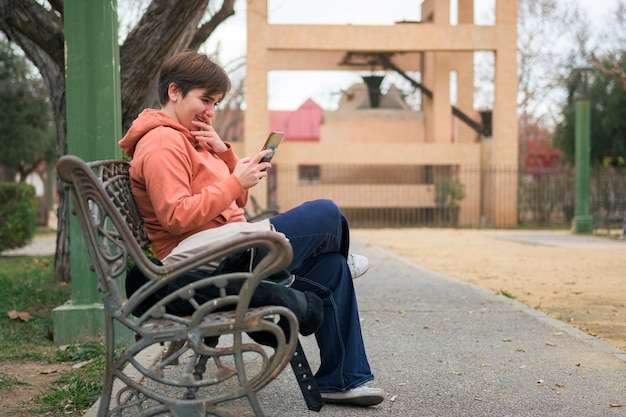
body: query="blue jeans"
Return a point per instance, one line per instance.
(319, 235)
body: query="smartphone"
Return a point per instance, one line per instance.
(272, 142)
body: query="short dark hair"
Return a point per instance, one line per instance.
(189, 70)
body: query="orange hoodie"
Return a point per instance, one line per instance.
(180, 185)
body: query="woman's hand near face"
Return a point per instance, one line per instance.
(250, 170)
(207, 133)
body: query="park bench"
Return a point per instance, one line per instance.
(217, 360)
(614, 214)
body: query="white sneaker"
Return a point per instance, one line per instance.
(358, 265)
(362, 396)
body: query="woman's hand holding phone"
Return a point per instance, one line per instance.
(271, 143)
(251, 171)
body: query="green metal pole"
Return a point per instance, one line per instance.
(582, 222)
(92, 88)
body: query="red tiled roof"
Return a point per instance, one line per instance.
(302, 124)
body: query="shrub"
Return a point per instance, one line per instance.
(449, 192)
(18, 215)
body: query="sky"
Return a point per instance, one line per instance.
(288, 90)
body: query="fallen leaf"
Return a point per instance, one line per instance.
(41, 263)
(22, 315)
(48, 371)
(616, 405)
(393, 398)
(81, 364)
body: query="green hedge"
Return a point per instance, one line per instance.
(18, 215)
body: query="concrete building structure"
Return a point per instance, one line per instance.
(375, 152)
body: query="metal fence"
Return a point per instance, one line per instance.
(609, 197)
(547, 199)
(454, 196)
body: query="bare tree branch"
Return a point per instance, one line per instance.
(42, 27)
(56, 5)
(207, 29)
(141, 61)
(170, 29)
(612, 68)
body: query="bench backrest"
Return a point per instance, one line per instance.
(115, 180)
(110, 220)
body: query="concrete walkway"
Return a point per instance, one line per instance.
(41, 245)
(442, 347)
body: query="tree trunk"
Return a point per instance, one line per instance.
(52, 72)
(140, 60)
(7, 174)
(62, 260)
(165, 28)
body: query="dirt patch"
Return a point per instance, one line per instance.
(578, 281)
(33, 378)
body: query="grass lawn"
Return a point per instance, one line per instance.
(28, 287)
(29, 294)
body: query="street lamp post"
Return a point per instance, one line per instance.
(582, 221)
(93, 127)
